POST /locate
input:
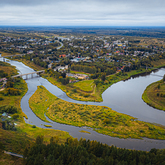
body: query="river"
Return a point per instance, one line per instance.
(123, 97)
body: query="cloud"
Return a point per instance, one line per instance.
(87, 12)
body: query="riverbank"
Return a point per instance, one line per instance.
(95, 95)
(25, 134)
(102, 119)
(154, 95)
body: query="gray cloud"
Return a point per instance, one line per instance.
(87, 12)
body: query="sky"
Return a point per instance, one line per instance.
(82, 12)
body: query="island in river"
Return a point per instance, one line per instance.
(154, 94)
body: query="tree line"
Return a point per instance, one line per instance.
(86, 152)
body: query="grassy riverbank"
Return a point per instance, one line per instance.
(30, 64)
(76, 92)
(86, 90)
(154, 95)
(89, 92)
(102, 119)
(25, 134)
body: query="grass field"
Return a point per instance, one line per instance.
(102, 119)
(85, 85)
(152, 95)
(76, 72)
(74, 92)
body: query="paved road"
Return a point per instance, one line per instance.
(60, 46)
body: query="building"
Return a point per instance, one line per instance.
(62, 55)
(77, 76)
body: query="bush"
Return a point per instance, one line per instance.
(15, 116)
(33, 126)
(12, 91)
(1, 98)
(86, 95)
(8, 109)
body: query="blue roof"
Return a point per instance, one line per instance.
(4, 114)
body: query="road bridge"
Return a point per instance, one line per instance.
(156, 75)
(13, 154)
(32, 74)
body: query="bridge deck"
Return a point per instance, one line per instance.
(20, 75)
(13, 154)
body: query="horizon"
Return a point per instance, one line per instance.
(82, 26)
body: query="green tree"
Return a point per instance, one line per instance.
(103, 76)
(164, 77)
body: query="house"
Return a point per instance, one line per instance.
(61, 68)
(62, 55)
(30, 52)
(77, 76)
(4, 114)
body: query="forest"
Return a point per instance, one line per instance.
(83, 152)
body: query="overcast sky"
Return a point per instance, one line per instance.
(82, 12)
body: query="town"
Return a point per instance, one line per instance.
(66, 77)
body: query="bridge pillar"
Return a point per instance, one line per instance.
(3, 59)
(32, 75)
(26, 76)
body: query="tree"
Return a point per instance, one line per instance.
(39, 140)
(164, 77)
(103, 76)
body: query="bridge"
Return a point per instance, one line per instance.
(156, 75)
(32, 74)
(13, 154)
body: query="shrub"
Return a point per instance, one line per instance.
(12, 91)
(8, 109)
(15, 116)
(1, 98)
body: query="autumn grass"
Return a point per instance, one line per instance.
(82, 131)
(102, 119)
(48, 126)
(152, 95)
(10, 70)
(3, 54)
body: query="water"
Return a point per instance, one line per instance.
(124, 97)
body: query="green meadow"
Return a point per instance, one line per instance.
(102, 119)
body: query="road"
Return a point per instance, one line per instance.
(13, 154)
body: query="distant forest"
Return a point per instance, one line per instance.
(154, 32)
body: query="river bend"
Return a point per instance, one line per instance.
(123, 97)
